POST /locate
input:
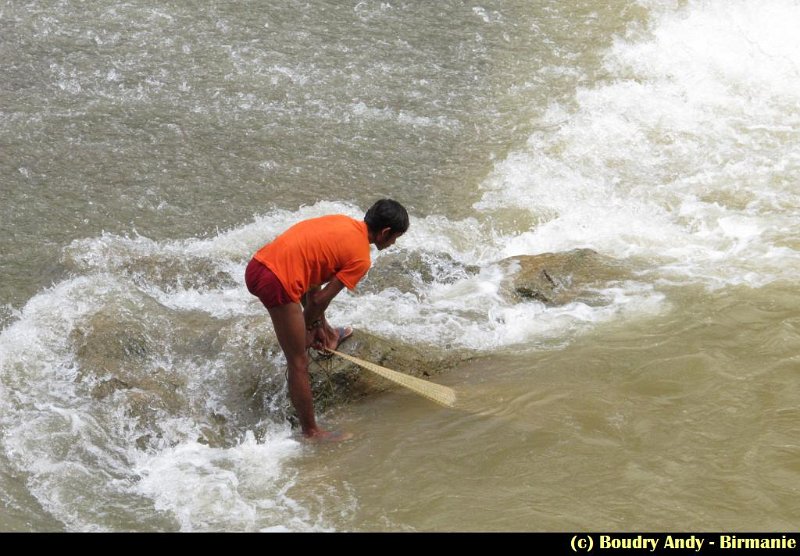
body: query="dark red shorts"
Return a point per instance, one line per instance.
(263, 284)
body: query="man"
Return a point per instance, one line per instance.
(332, 251)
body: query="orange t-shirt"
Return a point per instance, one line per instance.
(312, 252)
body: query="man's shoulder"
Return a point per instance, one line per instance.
(331, 219)
(346, 224)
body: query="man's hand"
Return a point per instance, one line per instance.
(320, 339)
(323, 337)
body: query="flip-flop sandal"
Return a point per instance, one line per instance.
(344, 333)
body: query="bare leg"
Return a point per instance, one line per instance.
(291, 331)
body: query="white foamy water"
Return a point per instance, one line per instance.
(71, 444)
(686, 156)
(242, 488)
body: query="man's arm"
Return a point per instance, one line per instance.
(317, 300)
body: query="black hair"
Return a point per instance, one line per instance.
(387, 213)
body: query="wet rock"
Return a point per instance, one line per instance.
(108, 387)
(113, 343)
(116, 350)
(120, 352)
(560, 278)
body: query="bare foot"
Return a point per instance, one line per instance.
(339, 335)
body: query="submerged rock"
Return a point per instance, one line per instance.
(115, 349)
(561, 278)
(407, 271)
(185, 272)
(336, 380)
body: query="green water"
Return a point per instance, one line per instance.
(147, 150)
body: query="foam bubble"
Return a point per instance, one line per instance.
(235, 489)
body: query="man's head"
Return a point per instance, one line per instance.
(386, 221)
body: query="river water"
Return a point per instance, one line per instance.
(148, 149)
